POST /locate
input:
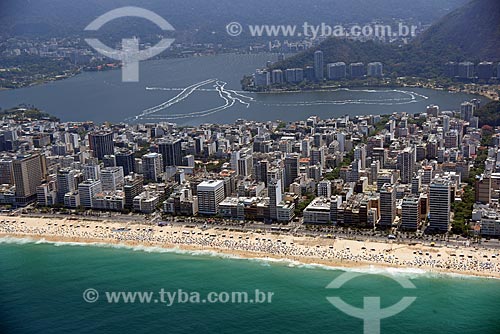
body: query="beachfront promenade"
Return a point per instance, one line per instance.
(296, 228)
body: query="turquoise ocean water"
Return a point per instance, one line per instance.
(42, 285)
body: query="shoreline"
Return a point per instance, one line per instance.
(337, 254)
(451, 90)
(118, 67)
(240, 255)
(338, 88)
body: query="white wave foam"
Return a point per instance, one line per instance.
(16, 241)
(411, 97)
(412, 273)
(178, 89)
(231, 97)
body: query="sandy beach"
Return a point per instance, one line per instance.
(332, 252)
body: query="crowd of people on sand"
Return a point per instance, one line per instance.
(252, 242)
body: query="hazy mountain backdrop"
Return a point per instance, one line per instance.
(471, 33)
(205, 20)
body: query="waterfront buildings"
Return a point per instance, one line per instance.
(485, 70)
(275, 193)
(133, 186)
(357, 70)
(29, 172)
(319, 71)
(88, 189)
(66, 182)
(277, 77)
(210, 195)
(112, 178)
(262, 78)
(466, 70)
(387, 205)
(439, 203)
(410, 213)
(336, 71)
(375, 69)
(350, 171)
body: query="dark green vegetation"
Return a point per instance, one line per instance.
(462, 210)
(307, 199)
(335, 173)
(33, 69)
(382, 124)
(349, 157)
(470, 33)
(489, 114)
(23, 113)
(213, 166)
(142, 151)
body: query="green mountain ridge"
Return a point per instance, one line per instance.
(471, 33)
(489, 114)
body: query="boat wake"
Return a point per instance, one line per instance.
(228, 96)
(410, 97)
(231, 98)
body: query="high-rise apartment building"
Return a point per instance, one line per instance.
(336, 71)
(210, 195)
(101, 144)
(406, 164)
(410, 213)
(87, 190)
(29, 171)
(275, 193)
(152, 166)
(319, 72)
(125, 159)
(291, 168)
(65, 183)
(439, 205)
(387, 205)
(171, 152)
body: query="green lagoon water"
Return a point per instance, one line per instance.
(41, 287)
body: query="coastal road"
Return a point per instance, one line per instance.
(295, 228)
